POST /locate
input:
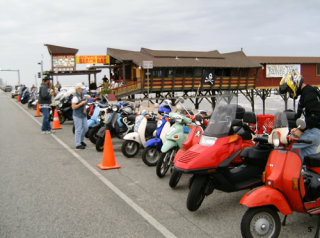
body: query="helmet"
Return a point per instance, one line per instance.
(291, 83)
(165, 107)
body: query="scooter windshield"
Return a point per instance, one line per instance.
(280, 120)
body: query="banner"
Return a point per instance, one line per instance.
(92, 59)
(279, 70)
(63, 61)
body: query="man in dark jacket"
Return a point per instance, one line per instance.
(44, 105)
(309, 106)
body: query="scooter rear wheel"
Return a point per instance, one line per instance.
(92, 134)
(197, 192)
(150, 156)
(260, 222)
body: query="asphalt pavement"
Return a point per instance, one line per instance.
(50, 189)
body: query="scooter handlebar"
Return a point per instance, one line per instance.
(304, 141)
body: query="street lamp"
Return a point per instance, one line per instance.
(13, 70)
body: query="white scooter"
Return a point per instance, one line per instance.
(144, 127)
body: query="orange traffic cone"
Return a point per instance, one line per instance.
(108, 160)
(18, 98)
(56, 121)
(38, 111)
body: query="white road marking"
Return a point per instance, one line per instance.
(157, 225)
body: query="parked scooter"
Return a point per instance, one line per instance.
(121, 123)
(213, 161)
(193, 138)
(289, 186)
(101, 115)
(64, 108)
(144, 127)
(175, 136)
(152, 150)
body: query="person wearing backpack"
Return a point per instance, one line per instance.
(79, 102)
(309, 106)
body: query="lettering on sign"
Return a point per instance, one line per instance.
(279, 70)
(93, 59)
(63, 61)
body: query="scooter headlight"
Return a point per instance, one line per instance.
(114, 108)
(276, 139)
(60, 104)
(178, 119)
(207, 140)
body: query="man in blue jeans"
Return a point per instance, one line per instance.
(79, 102)
(44, 105)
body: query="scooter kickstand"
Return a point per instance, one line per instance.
(316, 235)
(284, 220)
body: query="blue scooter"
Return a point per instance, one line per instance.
(151, 152)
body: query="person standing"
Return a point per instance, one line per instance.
(79, 102)
(44, 105)
(309, 106)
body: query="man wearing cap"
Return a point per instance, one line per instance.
(44, 105)
(79, 102)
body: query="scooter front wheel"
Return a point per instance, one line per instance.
(130, 148)
(164, 163)
(174, 179)
(100, 144)
(92, 134)
(260, 222)
(150, 156)
(197, 192)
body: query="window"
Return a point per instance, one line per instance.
(179, 72)
(198, 72)
(318, 69)
(189, 72)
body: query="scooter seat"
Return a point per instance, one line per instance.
(257, 155)
(132, 118)
(312, 160)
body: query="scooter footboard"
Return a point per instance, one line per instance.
(155, 142)
(266, 196)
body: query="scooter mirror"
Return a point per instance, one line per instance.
(180, 99)
(156, 105)
(301, 123)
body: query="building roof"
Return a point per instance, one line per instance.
(285, 60)
(166, 58)
(59, 50)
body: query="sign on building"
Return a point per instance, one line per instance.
(147, 64)
(92, 59)
(63, 62)
(279, 70)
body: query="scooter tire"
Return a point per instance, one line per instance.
(62, 118)
(163, 164)
(100, 144)
(150, 156)
(174, 178)
(130, 148)
(92, 134)
(197, 193)
(267, 214)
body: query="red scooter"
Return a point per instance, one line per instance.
(289, 186)
(193, 138)
(213, 162)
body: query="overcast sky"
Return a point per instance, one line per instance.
(261, 28)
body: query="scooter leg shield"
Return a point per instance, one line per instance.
(134, 136)
(266, 196)
(101, 132)
(168, 145)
